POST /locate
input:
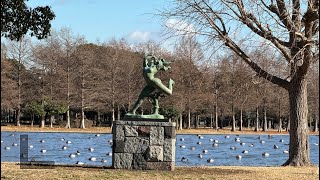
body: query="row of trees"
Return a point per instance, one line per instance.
(63, 73)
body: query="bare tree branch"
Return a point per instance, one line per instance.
(282, 13)
(250, 20)
(231, 44)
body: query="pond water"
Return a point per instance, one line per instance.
(188, 147)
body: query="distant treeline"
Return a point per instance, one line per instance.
(65, 81)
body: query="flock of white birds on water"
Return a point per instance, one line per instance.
(65, 147)
(215, 143)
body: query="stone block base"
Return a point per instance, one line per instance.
(144, 145)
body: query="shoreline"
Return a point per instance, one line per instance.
(107, 130)
(32, 164)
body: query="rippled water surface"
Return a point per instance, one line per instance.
(223, 155)
(188, 147)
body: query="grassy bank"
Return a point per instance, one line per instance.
(108, 130)
(56, 129)
(13, 171)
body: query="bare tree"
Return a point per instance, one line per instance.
(264, 61)
(19, 51)
(68, 43)
(112, 63)
(49, 55)
(83, 75)
(9, 91)
(129, 84)
(244, 92)
(291, 27)
(189, 51)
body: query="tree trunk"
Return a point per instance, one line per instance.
(98, 120)
(309, 121)
(257, 120)
(280, 125)
(265, 123)
(19, 95)
(32, 120)
(113, 103)
(233, 119)
(68, 125)
(43, 120)
(196, 118)
(269, 124)
(249, 123)
(113, 116)
(315, 128)
(178, 123)
(241, 113)
(82, 126)
(241, 120)
(68, 119)
(189, 119)
(18, 114)
(280, 120)
(288, 125)
(211, 120)
(299, 151)
(221, 121)
(118, 112)
(8, 120)
(180, 117)
(51, 120)
(216, 118)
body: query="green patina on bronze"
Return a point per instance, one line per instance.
(154, 88)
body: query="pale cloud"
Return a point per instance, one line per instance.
(179, 26)
(59, 2)
(140, 36)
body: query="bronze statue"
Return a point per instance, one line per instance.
(154, 88)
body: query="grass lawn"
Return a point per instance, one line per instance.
(13, 171)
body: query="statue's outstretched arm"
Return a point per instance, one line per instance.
(165, 65)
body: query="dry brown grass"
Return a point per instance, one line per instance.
(56, 129)
(13, 171)
(108, 130)
(226, 131)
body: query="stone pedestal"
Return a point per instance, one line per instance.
(145, 144)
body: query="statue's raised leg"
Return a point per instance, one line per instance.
(161, 87)
(157, 94)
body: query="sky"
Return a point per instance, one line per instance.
(102, 20)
